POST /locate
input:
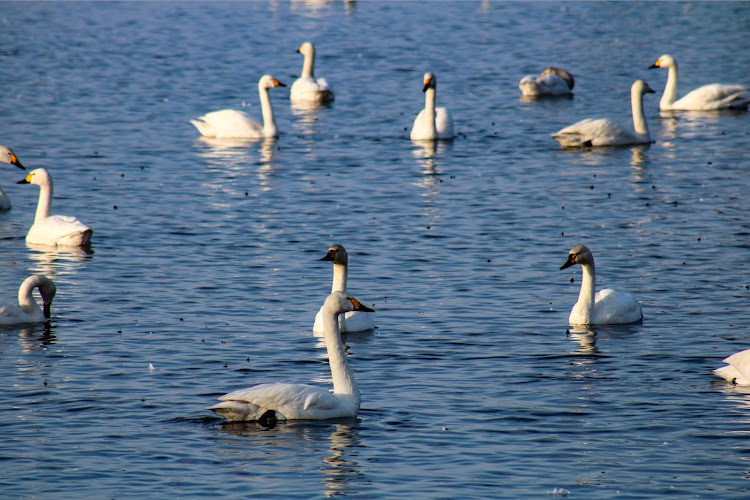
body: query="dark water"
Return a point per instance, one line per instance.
(206, 254)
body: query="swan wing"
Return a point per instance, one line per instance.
(738, 368)
(594, 132)
(444, 123)
(307, 90)
(713, 96)
(59, 230)
(228, 124)
(10, 313)
(289, 401)
(612, 307)
(420, 129)
(543, 85)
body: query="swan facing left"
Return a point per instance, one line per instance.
(53, 230)
(711, 97)
(431, 123)
(605, 307)
(737, 369)
(552, 82)
(606, 132)
(7, 156)
(307, 89)
(27, 310)
(281, 401)
(233, 124)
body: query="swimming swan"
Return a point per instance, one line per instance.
(431, 123)
(605, 132)
(706, 98)
(352, 321)
(300, 401)
(27, 310)
(306, 89)
(552, 82)
(7, 156)
(607, 307)
(54, 230)
(737, 369)
(232, 124)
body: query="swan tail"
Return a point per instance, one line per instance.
(205, 128)
(239, 411)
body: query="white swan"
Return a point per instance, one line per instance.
(607, 307)
(7, 156)
(552, 82)
(605, 132)
(307, 89)
(54, 230)
(232, 124)
(431, 123)
(737, 369)
(27, 310)
(352, 321)
(706, 98)
(300, 401)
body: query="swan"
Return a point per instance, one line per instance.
(232, 124)
(431, 123)
(706, 98)
(27, 310)
(552, 82)
(307, 89)
(301, 401)
(605, 132)
(55, 230)
(7, 156)
(352, 321)
(607, 307)
(737, 369)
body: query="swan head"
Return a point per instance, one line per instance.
(579, 254)
(38, 176)
(665, 61)
(307, 49)
(430, 82)
(641, 88)
(341, 302)
(47, 290)
(336, 254)
(7, 156)
(551, 70)
(269, 82)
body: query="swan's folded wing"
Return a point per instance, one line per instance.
(741, 362)
(614, 307)
(713, 96)
(227, 124)
(443, 123)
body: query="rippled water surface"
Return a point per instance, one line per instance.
(205, 274)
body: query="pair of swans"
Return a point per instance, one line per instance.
(7, 156)
(711, 97)
(552, 82)
(53, 230)
(280, 401)
(605, 307)
(27, 310)
(432, 123)
(606, 132)
(352, 321)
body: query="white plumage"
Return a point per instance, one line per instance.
(431, 123)
(551, 83)
(27, 310)
(7, 156)
(737, 369)
(307, 89)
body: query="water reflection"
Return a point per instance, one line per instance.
(586, 338)
(229, 153)
(307, 117)
(427, 153)
(56, 261)
(31, 336)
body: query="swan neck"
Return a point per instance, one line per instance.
(269, 121)
(343, 379)
(26, 299)
(585, 304)
(670, 91)
(308, 67)
(44, 207)
(429, 109)
(339, 278)
(639, 119)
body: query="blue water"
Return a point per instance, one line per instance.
(205, 263)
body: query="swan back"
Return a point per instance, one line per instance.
(737, 370)
(560, 73)
(552, 82)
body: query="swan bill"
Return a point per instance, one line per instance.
(570, 262)
(14, 161)
(358, 306)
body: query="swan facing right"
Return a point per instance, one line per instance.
(7, 156)
(27, 310)
(606, 132)
(605, 307)
(268, 402)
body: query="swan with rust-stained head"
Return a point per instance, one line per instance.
(552, 82)
(431, 123)
(301, 401)
(352, 321)
(307, 89)
(711, 97)
(27, 310)
(232, 124)
(606, 132)
(605, 307)
(53, 230)
(7, 156)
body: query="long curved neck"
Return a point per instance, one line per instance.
(44, 207)
(308, 67)
(269, 121)
(670, 91)
(343, 380)
(639, 119)
(585, 302)
(339, 278)
(429, 110)
(26, 299)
